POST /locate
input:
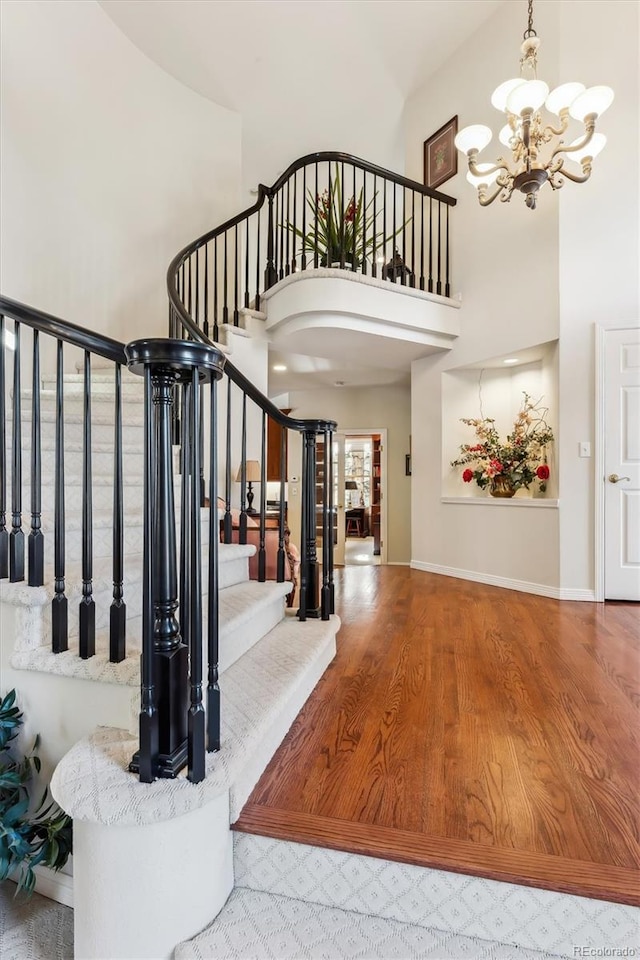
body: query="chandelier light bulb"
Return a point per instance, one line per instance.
(500, 94)
(594, 100)
(527, 97)
(563, 96)
(592, 149)
(473, 138)
(505, 135)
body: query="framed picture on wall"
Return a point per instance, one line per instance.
(440, 155)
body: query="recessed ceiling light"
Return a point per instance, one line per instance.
(279, 367)
(512, 360)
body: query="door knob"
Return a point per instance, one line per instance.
(614, 478)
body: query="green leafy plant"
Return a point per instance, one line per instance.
(26, 839)
(341, 232)
(521, 457)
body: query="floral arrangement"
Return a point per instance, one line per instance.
(27, 837)
(518, 460)
(341, 232)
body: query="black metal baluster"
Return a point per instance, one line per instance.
(216, 332)
(430, 283)
(395, 236)
(341, 213)
(59, 606)
(439, 281)
(206, 290)
(189, 294)
(287, 269)
(118, 610)
(331, 227)
(197, 293)
(412, 276)
(87, 603)
(196, 717)
(16, 537)
(422, 242)
(282, 260)
(315, 220)
(403, 278)
(35, 546)
(294, 260)
(303, 254)
(236, 280)
(364, 223)
(257, 299)
(327, 532)
(246, 264)
(262, 555)
(243, 475)
(384, 230)
(374, 259)
(148, 720)
(225, 282)
(281, 520)
(213, 629)
(4, 533)
(447, 286)
(228, 525)
(270, 276)
(353, 226)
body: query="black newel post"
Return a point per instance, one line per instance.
(309, 598)
(270, 274)
(165, 681)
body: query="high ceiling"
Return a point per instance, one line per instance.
(306, 75)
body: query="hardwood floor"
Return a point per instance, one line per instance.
(473, 729)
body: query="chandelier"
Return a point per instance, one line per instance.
(530, 137)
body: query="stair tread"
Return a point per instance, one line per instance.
(21, 594)
(238, 604)
(262, 693)
(262, 926)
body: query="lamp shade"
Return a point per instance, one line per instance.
(252, 471)
(592, 149)
(501, 93)
(506, 135)
(563, 96)
(475, 137)
(529, 95)
(593, 100)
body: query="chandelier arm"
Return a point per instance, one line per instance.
(576, 177)
(564, 117)
(590, 125)
(484, 200)
(499, 165)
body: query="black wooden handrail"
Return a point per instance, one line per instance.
(63, 330)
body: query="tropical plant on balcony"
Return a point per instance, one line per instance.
(342, 230)
(27, 839)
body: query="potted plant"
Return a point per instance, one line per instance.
(27, 837)
(506, 465)
(341, 233)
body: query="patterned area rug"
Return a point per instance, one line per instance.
(35, 928)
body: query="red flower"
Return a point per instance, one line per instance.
(350, 211)
(467, 476)
(542, 473)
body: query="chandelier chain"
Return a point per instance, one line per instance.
(530, 32)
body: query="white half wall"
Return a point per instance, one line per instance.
(110, 166)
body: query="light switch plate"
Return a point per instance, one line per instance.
(584, 448)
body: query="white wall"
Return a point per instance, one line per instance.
(528, 277)
(110, 166)
(369, 409)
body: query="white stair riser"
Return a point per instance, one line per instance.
(101, 463)
(101, 386)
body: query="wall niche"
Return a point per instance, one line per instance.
(494, 388)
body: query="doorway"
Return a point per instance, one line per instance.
(359, 491)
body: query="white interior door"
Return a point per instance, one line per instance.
(622, 464)
(338, 497)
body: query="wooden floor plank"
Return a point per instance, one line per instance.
(471, 719)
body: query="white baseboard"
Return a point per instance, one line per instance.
(540, 589)
(54, 885)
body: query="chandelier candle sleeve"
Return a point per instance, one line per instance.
(538, 146)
